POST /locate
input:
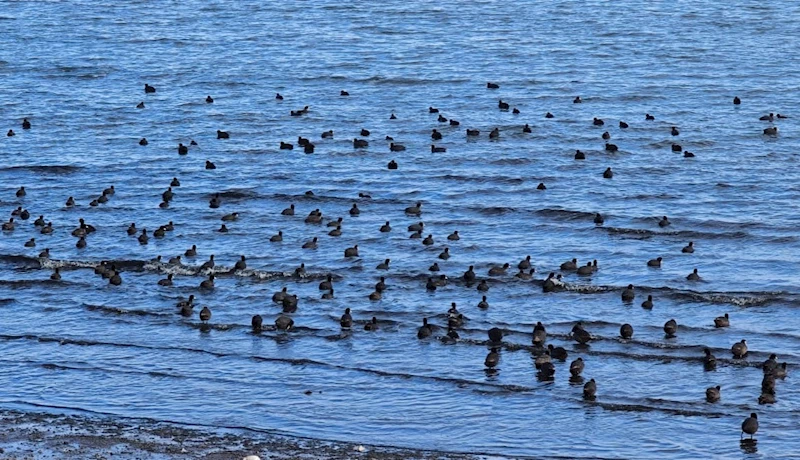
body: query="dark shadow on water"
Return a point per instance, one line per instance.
(749, 446)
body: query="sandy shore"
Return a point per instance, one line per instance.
(40, 436)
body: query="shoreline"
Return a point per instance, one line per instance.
(39, 435)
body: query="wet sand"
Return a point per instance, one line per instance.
(47, 436)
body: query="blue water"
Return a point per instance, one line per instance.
(76, 70)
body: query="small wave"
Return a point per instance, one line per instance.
(565, 214)
(511, 161)
(122, 311)
(41, 169)
(493, 210)
(687, 234)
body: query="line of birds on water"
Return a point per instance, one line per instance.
(772, 370)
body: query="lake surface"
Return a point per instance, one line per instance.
(76, 70)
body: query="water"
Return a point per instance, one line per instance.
(76, 70)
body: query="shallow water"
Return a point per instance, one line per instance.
(76, 70)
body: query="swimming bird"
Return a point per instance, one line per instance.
(45, 254)
(351, 252)
(415, 210)
(256, 323)
(335, 223)
(611, 147)
(499, 271)
(209, 283)
(380, 286)
(693, 276)
(396, 147)
(191, 252)
(346, 321)
(209, 264)
(526, 129)
(628, 294)
(495, 335)
(445, 254)
(549, 115)
(664, 222)
(722, 321)
(182, 149)
(115, 279)
(473, 132)
(494, 134)
(597, 122)
(709, 360)
(215, 202)
(483, 286)
(736, 100)
(241, 264)
(626, 331)
(11, 132)
(31, 243)
(288, 211)
(289, 303)
(590, 390)
(539, 334)
(523, 275)
(278, 296)
(149, 89)
(277, 238)
(223, 135)
(372, 325)
(491, 85)
(502, 105)
(579, 334)
(336, 231)
(483, 304)
(655, 262)
(166, 281)
(278, 96)
(674, 131)
(577, 100)
(739, 349)
(542, 359)
(430, 285)
(569, 265)
(772, 131)
(713, 394)
(576, 367)
(56, 275)
(425, 330)
(143, 238)
(689, 248)
(210, 165)
(670, 328)
(648, 304)
(284, 323)
(750, 425)
(587, 269)
(559, 353)
(770, 364)
(311, 244)
(608, 174)
(383, 265)
(386, 228)
(392, 164)
(354, 211)
(649, 117)
(606, 135)
(436, 135)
